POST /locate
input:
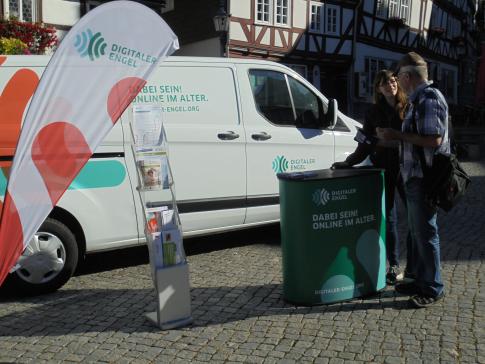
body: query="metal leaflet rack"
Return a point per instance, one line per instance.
(163, 231)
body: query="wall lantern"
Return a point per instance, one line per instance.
(221, 20)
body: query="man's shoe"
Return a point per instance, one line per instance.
(408, 274)
(407, 288)
(392, 275)
(420, 301)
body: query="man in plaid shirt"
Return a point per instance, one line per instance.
(426, 126)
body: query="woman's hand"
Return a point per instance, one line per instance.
(341, 165)
(388, 134)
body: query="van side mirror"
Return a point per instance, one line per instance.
(330, 118)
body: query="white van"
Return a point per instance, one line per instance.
(231, 125)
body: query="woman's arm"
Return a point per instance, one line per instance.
(361, 152)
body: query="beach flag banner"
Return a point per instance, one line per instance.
(100, 66)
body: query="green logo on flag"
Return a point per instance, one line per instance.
(280, 164)
(88, 44)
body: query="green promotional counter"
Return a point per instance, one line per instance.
(332, 234)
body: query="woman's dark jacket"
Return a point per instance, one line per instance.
(380, 115)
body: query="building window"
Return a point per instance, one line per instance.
(316, 23)
(263, 11)
(382, 9)
(90, 5)
(394, 9)
(273, 12)
(301, 69)
(434, 20)
(167, 6)
(447, 83)
(23, 10)
(404, 10)
(434, 72)
(332, 19)
(371, 67)
(281, 12)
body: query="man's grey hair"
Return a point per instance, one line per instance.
(414, 64)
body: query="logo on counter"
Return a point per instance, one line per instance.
(321, 197)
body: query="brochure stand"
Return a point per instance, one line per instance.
(163, 232)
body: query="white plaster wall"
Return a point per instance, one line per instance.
(346, 48)
(206, 48)
(60, 12)
(377, 27)
(236, 32)
(313, 47)
(369, 6)
(266, 38)
(300, 14)
(240, 8)
(277, 40)
(301, 43)
(348, 17)
(331, 44)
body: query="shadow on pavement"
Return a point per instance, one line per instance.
(129, 257)
(98, 310)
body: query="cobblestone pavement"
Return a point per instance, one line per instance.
(239, 314)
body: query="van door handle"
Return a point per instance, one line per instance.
(228, 135)
(261, 136)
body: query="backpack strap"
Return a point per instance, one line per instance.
(418, 148)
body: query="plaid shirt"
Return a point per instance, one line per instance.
(431, 119)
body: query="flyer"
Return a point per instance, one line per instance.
(147, 126)
(154, 170)
(155, 218)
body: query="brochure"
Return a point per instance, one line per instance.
(154, 170)
(147, 126)
(157, 250)
(172, 247)
(155, 218)
(168, 220)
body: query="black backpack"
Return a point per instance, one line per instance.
(445, 182)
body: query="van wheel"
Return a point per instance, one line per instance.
(48, 261)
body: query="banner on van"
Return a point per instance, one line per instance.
(100, 66)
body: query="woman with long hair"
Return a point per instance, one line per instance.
(388, 110)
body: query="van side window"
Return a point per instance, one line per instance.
(271, 96)
(308, 107)
(283, 100)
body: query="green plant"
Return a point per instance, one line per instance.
(12, 46)
(37, 36)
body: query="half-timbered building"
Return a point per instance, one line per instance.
(338, 45)
(441, 31)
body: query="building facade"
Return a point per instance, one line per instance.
(338, 45)
(62, 14)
